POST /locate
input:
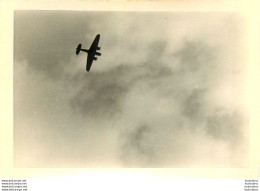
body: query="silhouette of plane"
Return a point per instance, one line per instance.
(92, 52)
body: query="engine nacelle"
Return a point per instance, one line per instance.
(95, 58)
(98, 53)
(98, 48)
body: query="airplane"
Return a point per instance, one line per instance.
(92, 52)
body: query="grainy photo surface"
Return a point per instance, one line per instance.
(168, 90)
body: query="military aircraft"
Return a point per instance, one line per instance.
(92, 52)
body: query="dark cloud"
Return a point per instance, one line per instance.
(195, 55)
(156, 50)
(225, 125)
(193, 104)
(135, 150)
(102, 93)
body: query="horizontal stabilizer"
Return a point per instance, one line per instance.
(78, 49)
(98, 48)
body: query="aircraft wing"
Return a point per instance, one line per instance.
(94, 45)
(89, 61)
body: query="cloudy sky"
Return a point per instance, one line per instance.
(168, 90)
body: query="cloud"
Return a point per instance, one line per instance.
(49, 37)
(102, 93)
(164, 93)
(180, 114)
(226, 125)
(135, 150)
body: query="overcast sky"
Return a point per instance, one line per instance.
(167, 91)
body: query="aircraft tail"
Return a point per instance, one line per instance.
(78, 49)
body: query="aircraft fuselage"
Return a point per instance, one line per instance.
(92, 52)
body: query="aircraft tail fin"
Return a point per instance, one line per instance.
(78, 49)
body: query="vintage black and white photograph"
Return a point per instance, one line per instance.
(118, 89)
